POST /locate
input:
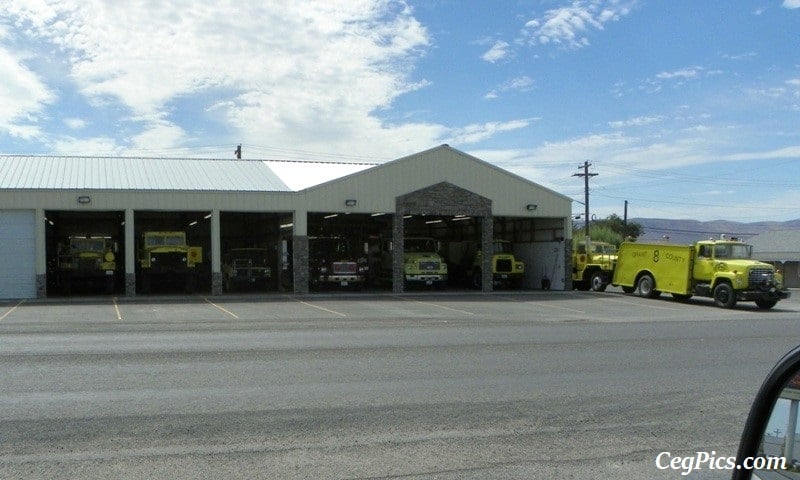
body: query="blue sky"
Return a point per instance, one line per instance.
(685, 109)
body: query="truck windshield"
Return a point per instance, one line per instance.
(88, 244)
(502, 247)
(733, 251)
(601, 248)
(419, 245)
(155, 241)
(327, 246)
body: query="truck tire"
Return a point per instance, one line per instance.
(724, 296)
(647, 286)
(766, 304)
(598, 282)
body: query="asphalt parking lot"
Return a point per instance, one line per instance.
(426, 385)
(533, 306)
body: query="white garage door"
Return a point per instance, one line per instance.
(17, 254)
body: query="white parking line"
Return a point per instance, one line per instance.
(222, 309)
(540, 304)
(11, 310)
(321, 308)
(434, 305)
(116, 309)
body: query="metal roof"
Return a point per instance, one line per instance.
(781, 245)
(28, 172)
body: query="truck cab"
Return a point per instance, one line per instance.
(506, 269)
(730, 263)
(593, 265)
(165, 256)
(422, 264)
(88, 260)
(333, 262)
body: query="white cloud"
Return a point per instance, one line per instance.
(23, 97)
(75, 123)
(635, 122)
(478, 132)
(792, 4)
(521, 84)
(498, 51)
(309, 73)
(571, 26)
(685, 73)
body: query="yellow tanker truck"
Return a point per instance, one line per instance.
(719, 269)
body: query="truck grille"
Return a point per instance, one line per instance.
(503, 265)
(242, 263)
(172, 259)
(760, 277)
(344, 267)
(432, 265)
(87, 263)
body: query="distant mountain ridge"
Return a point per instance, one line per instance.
(688, 231)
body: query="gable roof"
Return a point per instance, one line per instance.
(29, 172)
(432, 153)
(376, 189)
(777, 245)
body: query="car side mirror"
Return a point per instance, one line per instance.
(769, 440)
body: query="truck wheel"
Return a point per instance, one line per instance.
(647, 286)
(597, 282)
(766, 304)
(724, 296)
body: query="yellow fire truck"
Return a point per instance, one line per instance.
(87, 260)
(165, 256)
(506, 269)
(720, 269)
(593, 265)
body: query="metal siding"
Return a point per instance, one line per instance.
(376, 188)
(17, 254)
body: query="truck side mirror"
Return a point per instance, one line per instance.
(774, 408)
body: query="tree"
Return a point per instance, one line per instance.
(611, 229)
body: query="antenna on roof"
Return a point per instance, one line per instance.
(238, 152)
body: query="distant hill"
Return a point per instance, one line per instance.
(688, 231)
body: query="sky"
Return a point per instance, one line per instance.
(684, 109)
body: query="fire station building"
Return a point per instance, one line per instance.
(458, 202)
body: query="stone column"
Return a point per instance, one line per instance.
(40, 256)
(398, 246)
(130, 254)
(216, 254)
(487, 237)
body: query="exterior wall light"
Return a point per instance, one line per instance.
(350, 202)
(84, 199)
(531, 207)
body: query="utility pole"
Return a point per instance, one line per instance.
(625, 218)
(586, 176)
